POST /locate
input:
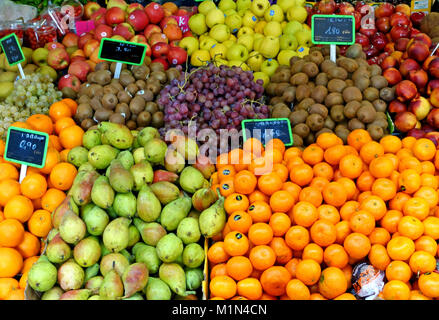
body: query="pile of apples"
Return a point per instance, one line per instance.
(377, 30)
(156, 25)
(251, 34)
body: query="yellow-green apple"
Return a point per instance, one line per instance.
(213, 17)
(245, 30)
(150, 29)
(229, 43)
(243, 5)
(302, 51)
(39, 56)
(218, 51)
(90, 8)
(259, 7)
(79, 69)
(173, 32)
(53, 45)
(207, 42)
(434, 97)
(237, 52)
(240, 64)
(303, 38)
(269, 67)
(255, 60)
(77, 53)
(84, 38)
(297, 13)
(273, 29)
(70, 50)
(197, 23)
(134, 6)
(177, 55)
(125, 30)
(234, 22)
(157, 37)
(246, 40)
(288, 42)
(90, 46)
(220, 62)
(190, 44)
(155, 12)
(257, 42)
(261, 76)
(49, 71)
(58, 59)
(118, 37)
(420, 107)
(285, 56)
(233, 38)
(259, 27)
(225, 5)
(249, 19)
(292, 27)
(269, 47)
(138, 38)
(206, 6)
(274, 13)
(103, 31)
(70, 40)
(69, 81)
(114, 16)
(200, 57)
(138, 20)
(220, 32)
(98, 16)
(286, 4)
(117, 3)
(229, 12)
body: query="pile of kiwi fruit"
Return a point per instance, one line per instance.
(130, 100)
(318, 95)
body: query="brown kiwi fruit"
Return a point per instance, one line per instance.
(362, 62)
(316, 57)
(124, 96)
(270, 89)
(299, 78)
(310, 138)
(350, 65)
(141, 84)
(380, 122)
(349, 83)
(371, 94)
(343, 134)
(352, 94)
(375, 70)
(83, 99)
(381, 115)
(351, 108)
(68, 92)
(284, 74)
(319, 94)
(376, 132)
(133, 117)
(147, 95)
(336, 85)
(117, 118)
(131, 124)
(144, 119)
(366, 114)
(276, 100)
(117, 86)
(83, 111)
(87, 124)
(102, 77)
(156, 66)
(172, 74)
(94, 90)
(96, 103)
(311, 69)
(297, 66)
(298, 116)
(379, 82)
(327, 65)
(126, 79)
(301, 129)
(104, 65)
(132, 88)
(109, 101)
(354, 51)
(159, 75)
(334, 98)
(336, 113)
(362, 82)
(337, 73)
(361, 72)
(281, 88)
(137, 105)
(366, 103)
(140, 72)
(124, 110)
(297, 140)
(319, 109)
(157, 119)
(302, 92)
(280, 111)
(315, 122)
(355, 124)
(151, 107)
(289, 94)
(103, 114)
(387, 94)
(147, 61)
(311, 85)
(305, 104)
(153, 86)
(329, 123)
(322, 79)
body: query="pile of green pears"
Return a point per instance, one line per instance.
(133, 225)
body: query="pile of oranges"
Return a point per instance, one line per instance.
(26, 207)
(299, 220)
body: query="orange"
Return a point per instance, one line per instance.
(226, 171)
(72, 104)
(222, 160)
(11, 233)
(291, 153)
(332, 282)
(227, 187)
(40, 223)
(297, 290)
(362, 221)
(52, 199)
(273, 156)
(254, 146)
(312, 195)
(8, 171)
(348, 209)
(381, 167)
(323, 232)
(357, 245)
(62, 176)
(334, 154)
(274, 280)
(398, 270)
(260, 233)
(40, 122)
(281, 170)
(312, 154)
(8, 189)
(426, 243)
(365, 181)
(349, 186)
(262, 257)
(11, 262)
(304, 213)
(7, 285)
(379, 236)
(345, 296)
(429, 284)
(239, 159)
(335, 256)
(2, 147)
(313, 251)
(410, 227)
(358, 137)
(409, 181)
(292, 188)
(236, 202)
(269, 183)
(52, 158)
(334, 194)
(319, 183)
(384, 188)
(424, 149)
(292, 265)
(396, 290)
(417, 295)
(29, 246)
(33, 186)
(63, 123)
(260, 211)
(431, 227)
(216, 253)
(281, 201)
(261, 165)
(64, 154)
(71, 137)
(400, 248)
(301, 174)
(416, 207)
(55, 143)
(250, 288)
(20, 124)
(236, 244)
(308, 271)
(429, 194)
(408, 142)
(281, 249)
(240, 221)
(218, 270)
(257, 196)
(397, 203)
(222, 286)
(422, 262)
(279, 223)
(18, 207)
(239, 268)
(324, 170)
(275, 144)
(410, 162)
(327, 140)
(329, 213)
(391, 144)
(342, 230)
(245, 182)
(371, 150)
(428, 167)
(378, 256)
(59, 110)
(429, 180)
(374, 205)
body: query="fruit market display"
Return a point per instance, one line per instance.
(26, 207)
(132, 99)
(128, 229)
(330, 97)
(253, 35)
(300, 228)
(429, 25)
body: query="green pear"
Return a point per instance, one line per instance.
(101, 156)
(93, 270)
(169, 248)
(147, 255)
(77, 156)
(72, 229)
(173, 275)
(116, 235)
(94, 284)
(142, 173)
(102, 194)
(174, 212)
(79, 294)
(147, 134)
(193, 255)
(157, 289)
(126, 158)
(148, 205)
(112, 286)
(134, 236)
(119, 136)
(42, 276)
(82, 187)
(191, 179)
(136, 296)
(165, 191)
(213, 219)
(151, 232)
(87, 252)
(52, 294)
(194, 278)
(121, 180)
(155, 151)
(188, 230)
(135, 278)
(139, 155)
(96, 220)
(115, 261)
(125, 204)
(70, 275)
(91, 138)
(57, 250)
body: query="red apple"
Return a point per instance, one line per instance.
(419, 78)
(183, 12)
(362, 39)
(103, 31)
(433, 67)
(379, 40)
(405, 121)
(433, 84)
(399, 19)
(177, 55)
(345, 8)
(90, 47)
(420, 107)
(53, 45)
(390, 47)
(157, 37)
(418, 51)
(58, 59)
(125, 30)
(98, 16)
(162, 61)
(371, 51)
(148, 51)
(138, 20)
(434, 98)
(369, 32)
(150, 29)
(382, 56)
(389, 62)
(384, 10)
(401, 44)
(433, 136)
(416, 18)
(69, 81)
(173, 32)
(134, 6)
(188, 34)
(427, 62)
(383, 24)
(90, 8)
(399, 32)
(79, 69)
(70, 40)
(404, 9)
(414, 32)
(166, 21)
(416, 133)
(392, 75)
(422, 37)
(357, 19)
(138, 39)
(114, 16)
(160, 49)
(326, 6)
(406, 90)
(397, 106)
(76, 58)
(155, 12)
(83, 40)
(433, 118)
(408, 65)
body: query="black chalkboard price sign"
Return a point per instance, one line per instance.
(122, 51)
(267, 129)
(12, 49)
(333, 29)
(27, 147)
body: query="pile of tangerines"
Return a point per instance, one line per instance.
(26, 207)
(300, 220)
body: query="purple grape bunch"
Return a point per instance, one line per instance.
(212, 97)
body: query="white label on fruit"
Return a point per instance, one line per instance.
(158, 47)
(234, 30)
(156, 6)
(104, 34)
(141, 91)
(254, 18)
(163, 36)
(271, 12)
(174, 61)
(300, 49)
(123, 114)
(131, 16)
